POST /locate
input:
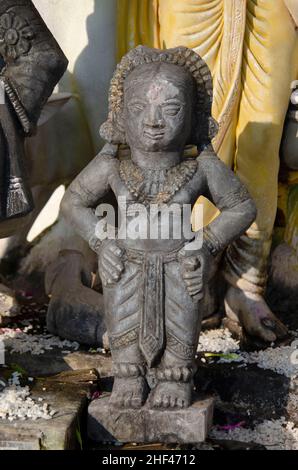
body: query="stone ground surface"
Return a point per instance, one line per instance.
(67, 396)
(255, 394)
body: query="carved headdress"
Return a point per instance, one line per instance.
(205, 127)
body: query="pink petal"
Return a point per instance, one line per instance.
(231, 427)
(96, 395)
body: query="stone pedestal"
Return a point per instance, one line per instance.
(188, 426)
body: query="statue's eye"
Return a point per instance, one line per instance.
(171, 110)
(136, 107)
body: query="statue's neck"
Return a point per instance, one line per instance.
(155, 160)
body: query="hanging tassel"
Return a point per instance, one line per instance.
(16, 200)
(17, 203)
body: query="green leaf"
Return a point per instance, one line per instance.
(19, 369)
(231, 356)
(79, 436)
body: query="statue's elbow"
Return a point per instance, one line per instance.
(65, 206)
(61, 64)
(57, 63)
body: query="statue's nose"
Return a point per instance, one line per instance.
(154, 118)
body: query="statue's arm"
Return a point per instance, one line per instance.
(84, 194)
(228, 194)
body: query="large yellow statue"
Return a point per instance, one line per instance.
(251, 47)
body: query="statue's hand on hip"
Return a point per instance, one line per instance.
(110, 262)
(194, 265)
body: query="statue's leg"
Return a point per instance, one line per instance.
(269, 66)
(183, 323)
(122, 304)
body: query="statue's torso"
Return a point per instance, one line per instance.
(164, 229)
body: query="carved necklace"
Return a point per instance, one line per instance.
(156, 186)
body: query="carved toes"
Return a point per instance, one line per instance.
(129, 393)
(171, 395)
(181, 403)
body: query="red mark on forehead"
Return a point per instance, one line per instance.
(154, 91)
(161, 90)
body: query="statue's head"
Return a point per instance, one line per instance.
(160, 100)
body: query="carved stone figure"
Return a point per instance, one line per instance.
(250, 104)
(289, 147)
(284, 259)
(31, 65)
(57, 153)
(160, 101)
(241, 41)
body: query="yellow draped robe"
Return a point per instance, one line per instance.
(251, 48)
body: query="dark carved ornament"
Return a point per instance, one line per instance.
(167, 182)
(15, 36)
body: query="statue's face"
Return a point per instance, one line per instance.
(158, 107)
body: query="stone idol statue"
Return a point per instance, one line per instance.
(160, 101)
(31, 64)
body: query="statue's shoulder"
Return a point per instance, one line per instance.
(107, 158)
(207, 157)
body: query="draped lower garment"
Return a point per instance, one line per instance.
(151, 309)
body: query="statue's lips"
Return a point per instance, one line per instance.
(154, 135)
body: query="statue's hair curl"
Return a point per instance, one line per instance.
(205, 128)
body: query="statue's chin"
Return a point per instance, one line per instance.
(152, 146)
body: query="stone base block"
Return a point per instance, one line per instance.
(187, 426)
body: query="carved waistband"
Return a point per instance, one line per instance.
(140, 256)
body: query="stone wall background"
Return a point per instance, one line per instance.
(86, 31)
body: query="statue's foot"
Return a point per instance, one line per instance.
(253, 314)
(77, 315)
(129, 392)
(171, 395)
(76, 312)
